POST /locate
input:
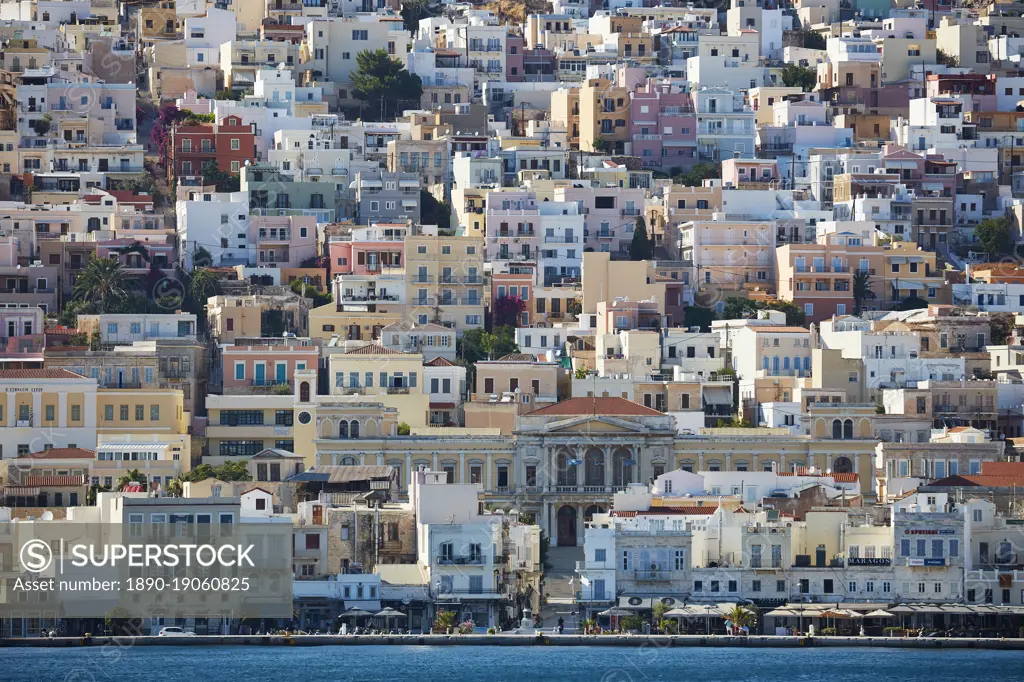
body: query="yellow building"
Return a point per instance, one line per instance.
(445, 280)
(391, 378)
(604, 116)
(153, 420)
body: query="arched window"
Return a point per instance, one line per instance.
(848, 429)
(304, 392)
(837, 429)
(842, 465)
(594, 475)
(353, 429)
(566, 466)
(349, 461)
(343, 429)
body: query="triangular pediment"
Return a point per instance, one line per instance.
(595, 424)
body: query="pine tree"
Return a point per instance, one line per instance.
(641, 247)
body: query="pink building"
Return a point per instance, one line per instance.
(609, 215)
(663, 126)
(135, 257)
(283, 241)
(750, 173)
(364, 257)
(244, 366)
(23, 284)
(616, 316)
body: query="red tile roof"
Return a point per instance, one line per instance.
(38, 374)
(374, 349)
(517, 357)
(677, 511)
(605, 406)
(979, 481)
(845, 478)
(1002, 469)
(439, 362)
(62, 453)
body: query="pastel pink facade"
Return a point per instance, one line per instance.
(131, 258)
(283, 241)
(609, 215)
(663, 126)
(511, 226)
(750, 173)
(365, 257)
(246, 367)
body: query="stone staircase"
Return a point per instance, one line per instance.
(560, 600)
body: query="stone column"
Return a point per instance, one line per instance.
(728, 461)
(489, 483)
(754, 464)
(404, 485)
(462, 468)
(433, 466)
(12, 408)
(782, 462)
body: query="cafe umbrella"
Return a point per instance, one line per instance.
(614, 613)
(388, 614)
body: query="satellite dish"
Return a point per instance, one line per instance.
(46, 516)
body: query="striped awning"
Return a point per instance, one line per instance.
(57, 481)
(131, 447)
(21, 491)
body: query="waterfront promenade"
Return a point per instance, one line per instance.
(511, 640)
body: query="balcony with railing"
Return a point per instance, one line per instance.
(652, 575)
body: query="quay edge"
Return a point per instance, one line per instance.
(527, 640)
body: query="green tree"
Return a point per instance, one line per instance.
(222, 180)
(912, 302)
(631, 623)
(174, 487)
(641, 248)
(946, 59)
(1002, 325)
(132, 477)
(861, 290)
(737, 308)
(414, 10)
(741, 616)
(696, 176)
(200, 473)
(581, 373)
(102, 282)
(202, 284)
(434, 212)
(403, 429)
(814, 40)
(232, 471)
(380, 80)
(994, 236)
(799, 76)
(477, 344)
(698, 316)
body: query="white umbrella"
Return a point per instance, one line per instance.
(879, 613)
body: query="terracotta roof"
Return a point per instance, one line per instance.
(374, 349)
(606, 406)
(845, 478)
(979, 481)
(442, 406)
(1002, 469)
(134, 488)
(678, 511)
(38, 374)
(439, 362)
(62, 453)
(57, 481)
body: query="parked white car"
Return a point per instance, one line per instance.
(175, 632)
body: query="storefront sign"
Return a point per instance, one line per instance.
(858, 561)
(930, 531)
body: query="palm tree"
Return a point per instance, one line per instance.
(861, 290)
(174, 487)
(102, 281)
(740, 616)
(131, 478)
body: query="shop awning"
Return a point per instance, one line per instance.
(717, 395)
(904, 284)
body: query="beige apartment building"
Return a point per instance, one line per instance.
(445, 280)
